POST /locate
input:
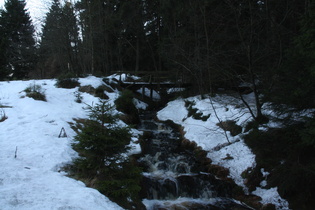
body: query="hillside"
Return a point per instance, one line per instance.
(33, 154)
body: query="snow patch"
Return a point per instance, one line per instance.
(32, 154)
(211, 138)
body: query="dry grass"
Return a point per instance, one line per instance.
(36, 92)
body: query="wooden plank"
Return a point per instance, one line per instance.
(145, 72)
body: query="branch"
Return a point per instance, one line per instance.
(220, 122)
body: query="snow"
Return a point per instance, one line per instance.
(32, 179)
(147, 92)
(140, 104)
(271, 196)
(32, 154)
(211, 138)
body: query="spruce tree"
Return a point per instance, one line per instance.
(3, 46)
(17, 41)
(59, 41)
(102, 140)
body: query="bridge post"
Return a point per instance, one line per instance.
(151, 90)
(143, 91)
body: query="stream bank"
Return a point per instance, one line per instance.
(177, 173)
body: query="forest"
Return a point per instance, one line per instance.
(267, 46)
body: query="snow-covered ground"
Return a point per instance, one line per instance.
(212, 138)
(31, 153)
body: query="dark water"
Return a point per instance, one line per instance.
(173, 178)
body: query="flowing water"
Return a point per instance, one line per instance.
(173, 178)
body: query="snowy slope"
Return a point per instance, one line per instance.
(31, 180)
(212, 139)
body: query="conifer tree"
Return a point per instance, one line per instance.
(3, 63)
(17, 41)
(102, 140)
(296, 83)
(59, 41)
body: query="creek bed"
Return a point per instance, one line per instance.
(172, 177)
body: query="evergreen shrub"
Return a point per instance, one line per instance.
(101, 138)
(102, 143)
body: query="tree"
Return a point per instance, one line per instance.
(17, 39)
(102, 140)
(102, 144)
(297, 75)
(4, 73)
(59, 41)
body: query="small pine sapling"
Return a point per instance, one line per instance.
(102, 141)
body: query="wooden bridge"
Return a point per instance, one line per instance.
(153, 80)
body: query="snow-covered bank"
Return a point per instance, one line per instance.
(237, 157)
(31, 153)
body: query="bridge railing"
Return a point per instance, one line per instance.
(157, 76)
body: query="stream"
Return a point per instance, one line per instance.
(173, 177)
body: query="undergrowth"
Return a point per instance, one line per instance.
(100, 92)
(67, 80)
(290, 161)
(36, 92)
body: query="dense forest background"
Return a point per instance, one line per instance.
(268, 44)
(265, 45)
